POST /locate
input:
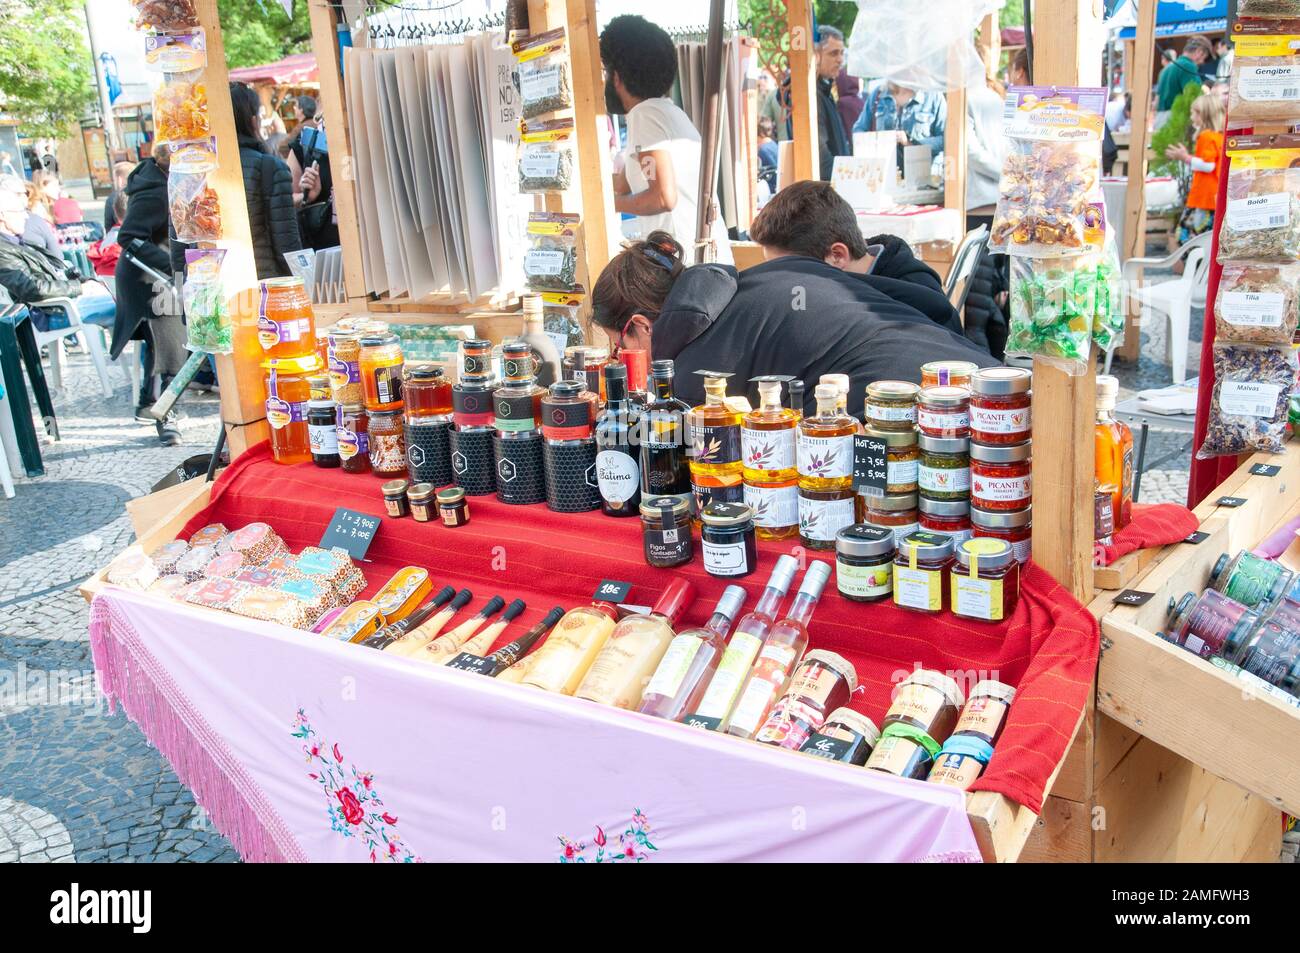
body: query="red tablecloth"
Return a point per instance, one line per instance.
(1153, 524)
(1048, 649)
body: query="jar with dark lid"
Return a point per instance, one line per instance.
(423, 506)
(891, 405)
(666, 531)
(453, 507)
(395, 502)
(1273, 654)
(945, 468)
(1210, 624)
(897, 513)
(322, 430)
(822, 682)
(476, 358)
(903, 460)
(864, 562)
(728, 539)
(985, 713)
(1015, 526)
(381, 371)
(387, 443)
(920, 572)
(928, 701)
(985, 580)
(1000, 405)
(943, 411)
(426, 392)
(847, 736)
(949, 517)
(1001, 475)
(354, 438)
(1250, 579)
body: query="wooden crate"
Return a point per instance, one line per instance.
(1181, 702)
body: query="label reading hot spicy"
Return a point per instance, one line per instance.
(714, 446)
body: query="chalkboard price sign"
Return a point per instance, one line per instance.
(352, 530)
(870, 464)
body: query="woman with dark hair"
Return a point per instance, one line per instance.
(659, 182)
(268, 187)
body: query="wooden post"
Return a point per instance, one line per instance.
(243, 402)
(324, 41)
(595, 171)
(803, 90)
(990, 45)
(1135, 194)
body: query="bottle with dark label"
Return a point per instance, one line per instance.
(518, 442)
(473, 419)
(569, 453)
(618, 473)
(665, 467)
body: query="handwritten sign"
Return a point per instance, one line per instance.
(351, 530)
(870, 465)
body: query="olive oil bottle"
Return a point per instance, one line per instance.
(769, 440)
(825, 471)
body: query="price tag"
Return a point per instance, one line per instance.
(1133, 597)
(870, 464)
(477, 664)
(351, 530)
(1197, 537)
(1230, 500)
(833, 749)
(611, 590)
(1265, 469)
(700, 721)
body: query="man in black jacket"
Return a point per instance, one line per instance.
(832, 138)
(824, 302)
(28, 273)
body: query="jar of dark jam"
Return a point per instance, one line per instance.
(728, 539)
(354, 438)
(864, 562)
(904, 751)
(927, 701)
(985, 714)
(322, 430)
(666, 530)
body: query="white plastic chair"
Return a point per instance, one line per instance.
(8, 445)
(90, 336)
(1172, 298)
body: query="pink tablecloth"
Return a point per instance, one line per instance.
(304, 749)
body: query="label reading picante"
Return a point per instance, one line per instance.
(514, 414)
(566, 420)
(715, 446)
(472, 408)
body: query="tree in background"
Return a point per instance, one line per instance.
(46, 76)
(257, 31)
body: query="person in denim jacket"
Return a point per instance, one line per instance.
(919, 118)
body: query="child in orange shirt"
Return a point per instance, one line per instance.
(1208, 119)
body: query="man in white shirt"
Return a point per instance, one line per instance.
(660, 180)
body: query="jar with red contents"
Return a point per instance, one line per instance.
(1001, 475)
(943, 412)
(823, 682)
(1000, 405)
(1014, 526)
(949, 517)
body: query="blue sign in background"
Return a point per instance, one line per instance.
(1185, 17)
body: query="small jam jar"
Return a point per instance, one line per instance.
(903, 458)
(354, 438)
(381, 371)
(728, 539)
(949, 517)
(1001, 475)
(904, 751)
(985, 580)
(395, 504)
(946, 373)
(1014, 526)
(891, 405)
(822, 682)
(847, 736)
(999, 405)
(666, 530)
(423, 506)
(943, 412)
(945, 468)
(896, 513)
(864, 562)
(921, 572)
(453, 507)
(928, 701)
(985, 714)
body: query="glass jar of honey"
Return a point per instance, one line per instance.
(426, 391)
(287, 393)
(354, 438)
(381, 371)
(286, 327)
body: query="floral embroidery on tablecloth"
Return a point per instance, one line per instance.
(633, 845)
(354, 806)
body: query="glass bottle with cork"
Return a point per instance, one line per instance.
(843, 384)
(628, 659)
(692, 657)
(781, 651)
(517, 445)
(618, 471)
(768, 444)
(716, 699)
(1114, 446)
(714, 427)
(665, 467)
(825, 471)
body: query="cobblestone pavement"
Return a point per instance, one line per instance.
(75, 782)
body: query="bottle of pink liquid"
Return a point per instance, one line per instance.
(690, 661)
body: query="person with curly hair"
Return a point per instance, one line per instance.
(660, 177)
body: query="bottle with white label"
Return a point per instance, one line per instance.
(825, 470)
(691, 659)
(768, 443)
(618, 471)
(711, 700)
(781, 651)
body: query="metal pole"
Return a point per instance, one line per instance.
(105, 104)
(709, 151)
